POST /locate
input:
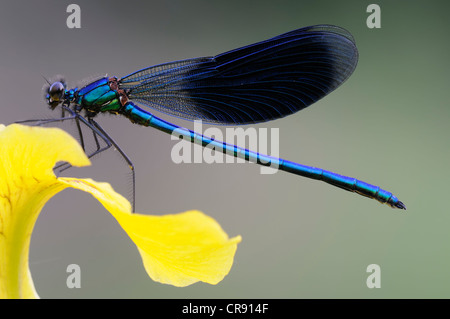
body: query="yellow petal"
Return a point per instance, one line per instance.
(31, 152)
(178, 249)
(27, 155)
(184, 248)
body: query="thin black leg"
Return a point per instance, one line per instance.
(40, 122)
(108, 139)
(97, 130)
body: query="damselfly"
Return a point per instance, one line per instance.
(252, 84)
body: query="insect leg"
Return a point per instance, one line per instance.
(110, 141)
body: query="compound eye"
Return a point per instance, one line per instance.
(56, 91)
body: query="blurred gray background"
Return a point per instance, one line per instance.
(387, 125)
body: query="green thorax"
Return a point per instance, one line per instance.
(99, 97)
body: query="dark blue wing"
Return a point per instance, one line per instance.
(256, 83)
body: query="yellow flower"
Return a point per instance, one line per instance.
(178, 249)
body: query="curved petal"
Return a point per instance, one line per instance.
(27, 182)
(178, 249)
(29, 153)
(184, 248)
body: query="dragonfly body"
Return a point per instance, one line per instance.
(96, 97)
(253, 84)
(142, 117)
